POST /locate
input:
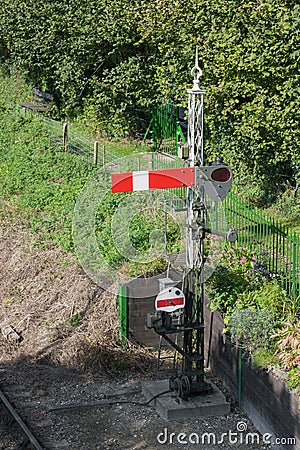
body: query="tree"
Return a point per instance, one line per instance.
(118, 59)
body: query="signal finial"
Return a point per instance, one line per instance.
(196, 72)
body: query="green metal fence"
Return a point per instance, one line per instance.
(166, 131)
(279, 248)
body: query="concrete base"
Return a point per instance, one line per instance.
(171, 408)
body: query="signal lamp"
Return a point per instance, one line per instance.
(216, 180)
(221, 175)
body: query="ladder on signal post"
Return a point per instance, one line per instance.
(174, 356)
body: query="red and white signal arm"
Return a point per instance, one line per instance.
(146, 180)
(169, 300)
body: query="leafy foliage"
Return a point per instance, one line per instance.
(288, 339)
(265, 358)
(252, 328)
(138, 236)
(240, 281)
(117, 59)
(288, 351)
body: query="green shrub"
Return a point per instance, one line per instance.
(288, 344)
(288, 206)
(251, 328)
(239, 271)
(294, 378)
(265, 358)
(138, 234)
(271, 296)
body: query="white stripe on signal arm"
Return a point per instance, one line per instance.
(140, 181)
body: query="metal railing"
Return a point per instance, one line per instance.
(166, 131)
(279, 248)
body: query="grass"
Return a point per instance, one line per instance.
(287, 211)
(39, 183)
(265, 358)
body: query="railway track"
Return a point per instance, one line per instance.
(29, 440)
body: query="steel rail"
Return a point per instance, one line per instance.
(32, 441)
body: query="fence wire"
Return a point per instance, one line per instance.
(279, 248)
(78, 144)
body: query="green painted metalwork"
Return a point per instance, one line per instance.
(166, 131)
(269, 238)
(240, 366)
(123, 314)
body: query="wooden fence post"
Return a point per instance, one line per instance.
(103, 156)
(65, 136)
(96, 149)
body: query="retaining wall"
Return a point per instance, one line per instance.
(266, 399)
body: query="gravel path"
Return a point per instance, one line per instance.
(34, 389)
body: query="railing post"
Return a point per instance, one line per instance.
(103, 156)
(295, 262)
(240, 365)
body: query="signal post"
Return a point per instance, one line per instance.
(214, 181)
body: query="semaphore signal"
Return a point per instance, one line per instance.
(213, 180)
